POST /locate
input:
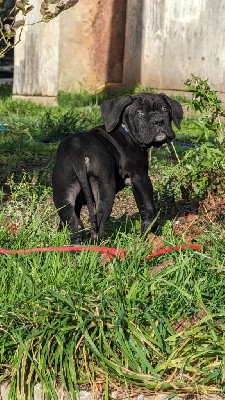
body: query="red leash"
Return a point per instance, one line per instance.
(110, 251)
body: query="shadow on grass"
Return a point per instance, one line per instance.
(127, 224)
(123, 223)
(169, 210)
(36, 160)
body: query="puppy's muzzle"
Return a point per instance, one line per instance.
(163, 134)
(160, 137)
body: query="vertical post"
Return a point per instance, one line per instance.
(36, 57)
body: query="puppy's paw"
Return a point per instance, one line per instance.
(77, 240)
(149, 228)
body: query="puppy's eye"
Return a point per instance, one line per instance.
(164, 108)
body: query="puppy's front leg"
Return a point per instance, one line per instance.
(143, 194)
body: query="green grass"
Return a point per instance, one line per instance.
(69, 319)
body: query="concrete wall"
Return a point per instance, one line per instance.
(91, 45)
(83, 47)
(157, 43)
(36, 57)
(175, 38)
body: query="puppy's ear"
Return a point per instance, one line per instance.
(112, 109)
(176, 109)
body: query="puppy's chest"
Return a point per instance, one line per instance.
(131, 165)
(127, 181)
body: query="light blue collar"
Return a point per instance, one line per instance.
(125, 127)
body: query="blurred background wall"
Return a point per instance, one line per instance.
(156, 43)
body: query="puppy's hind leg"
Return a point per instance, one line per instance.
(69, 212)
(104, 194)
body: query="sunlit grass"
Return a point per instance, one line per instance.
(77, 317)
(64, 315)
(68, 318)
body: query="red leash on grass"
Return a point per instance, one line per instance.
(110, 251)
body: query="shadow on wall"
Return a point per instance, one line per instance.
(124, 21)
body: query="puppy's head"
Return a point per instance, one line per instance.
(147, 117)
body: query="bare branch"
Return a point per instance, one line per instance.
(49, 10)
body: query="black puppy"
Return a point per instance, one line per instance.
(91, 167)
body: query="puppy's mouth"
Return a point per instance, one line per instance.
(157, 140)
(160, 137)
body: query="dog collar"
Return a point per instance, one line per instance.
(125, 127)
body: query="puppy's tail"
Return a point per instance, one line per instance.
(88, 194)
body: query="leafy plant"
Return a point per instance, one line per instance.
(207, 105)
(201, 168)
(200, 171)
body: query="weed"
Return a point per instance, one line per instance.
(58, 126)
